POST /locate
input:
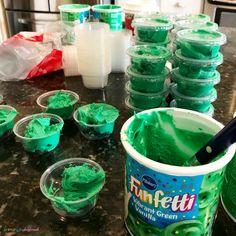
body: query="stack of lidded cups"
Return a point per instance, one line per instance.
(195, 77)
(147, 73)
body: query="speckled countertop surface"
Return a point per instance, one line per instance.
(23, 207)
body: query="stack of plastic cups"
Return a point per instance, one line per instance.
(147, 73)
(196, 75)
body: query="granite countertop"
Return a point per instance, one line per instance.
(23, 207)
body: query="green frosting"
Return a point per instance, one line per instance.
(155, 136)
(79, 183)
(96, 120)
(229, 189)
(6, 120)
(148, 60)
(61, 104)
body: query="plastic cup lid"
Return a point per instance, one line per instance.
(201, 36)
(165, 73)
(107, 8)
(74, 7)
(198, 62)
(131, 6)
(211, 97)
(149, 52)
(201, 17)
(195, 24)
(138, 42)
(151, 15)
(176, 76)
(157, 23)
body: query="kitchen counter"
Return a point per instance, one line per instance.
(24, 208)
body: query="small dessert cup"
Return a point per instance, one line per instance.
(43, 143)
(98, 123)
(7, 125)
(148, 60)
(65, 112)
(76, 196)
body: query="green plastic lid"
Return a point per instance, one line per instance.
(138, 42)
(165, 73)
(177, 77)
(152, 15)
(201, 17)
(157, 23)
(149, 52)
(201, 36)
(211, 97)
(74, 7)
(107, 8)
(198, 62)
(195, 24)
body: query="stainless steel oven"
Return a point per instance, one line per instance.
(222, 12)
(32, 15)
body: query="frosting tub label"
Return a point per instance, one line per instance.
(160, 199)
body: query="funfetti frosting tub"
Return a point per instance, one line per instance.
(170, 199)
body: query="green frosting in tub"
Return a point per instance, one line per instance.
(41, 127)
(6, 120)
(78, 183)
(61, 104)
(155, 136)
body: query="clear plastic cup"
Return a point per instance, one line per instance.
(200, 43)
(195, 87)
(108, 13)
(200, 104)
(209, 112)
(51, 185)
(73, 12)
(147, 83)
(6, 126)
(65, 112)
(95, 124)
(143, 100)
(148, 60)
(163, 44)
(151, 30)
(41, 144)
(199, 17)
(195, 68)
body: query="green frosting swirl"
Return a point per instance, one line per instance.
(6, 120)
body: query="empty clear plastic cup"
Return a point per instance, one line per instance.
(153, 30)
(73, 12)
(195, 87)
(7, 117)
(143, 100)
(195, 68)
(200, 43)
(200, 104)
(59, 102)
(199, 17)
(148, 60)
(96, 120)
(163, 44)
(72, 186)
(108, 13)
(46, 138)
(147, 83)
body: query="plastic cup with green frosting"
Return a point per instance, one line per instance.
(7, 117)
(153, 30)
(144, 100)
(108, 13)
(163, 197)
(96, 120)
(147, 83)
(199, 17)
(39, 132)
(195, 87)
(72, 186)
(163, 44)
(200, 104)
(200, 43)
(195, 68)
(74, 12)
(148, 60)
(59, 102)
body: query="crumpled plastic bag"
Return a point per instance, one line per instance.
(30, 54)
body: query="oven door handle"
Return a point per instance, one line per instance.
(26, 21)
